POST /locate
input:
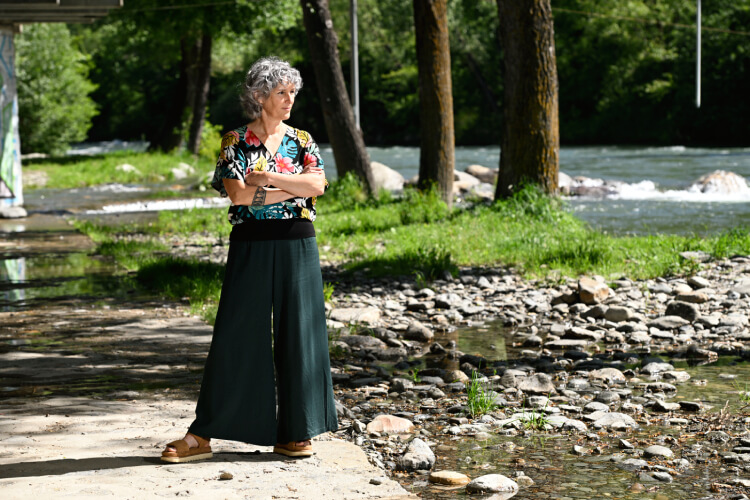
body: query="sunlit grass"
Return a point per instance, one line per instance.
(418, 236)
(82, 171)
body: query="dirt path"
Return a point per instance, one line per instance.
(93, 384)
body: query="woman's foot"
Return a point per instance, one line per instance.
(187, 449)
(294, 448)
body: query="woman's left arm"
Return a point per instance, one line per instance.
(311, 182)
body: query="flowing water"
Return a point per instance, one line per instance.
(655, 198)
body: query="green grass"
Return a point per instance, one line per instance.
(81, 171)
(479, 399)
(419, 236)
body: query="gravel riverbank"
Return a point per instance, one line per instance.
(589, 360)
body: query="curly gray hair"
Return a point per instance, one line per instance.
(265, 75)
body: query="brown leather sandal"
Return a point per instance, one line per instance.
(292, 450)
(184, 453)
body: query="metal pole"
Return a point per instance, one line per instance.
(698, 57)
(355, 61)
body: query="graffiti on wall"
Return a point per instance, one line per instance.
(10, 154)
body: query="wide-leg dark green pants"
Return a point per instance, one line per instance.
(239, 391)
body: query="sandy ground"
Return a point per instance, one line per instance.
(74, 447)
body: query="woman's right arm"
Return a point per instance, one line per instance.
(256, 196)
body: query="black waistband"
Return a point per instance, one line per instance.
(272, 229)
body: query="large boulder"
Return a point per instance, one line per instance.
(720, 182)
(463, 182)
(484, 174)
(384, 177)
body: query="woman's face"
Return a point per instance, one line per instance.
(279, 102)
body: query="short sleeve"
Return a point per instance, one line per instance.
(312, 156)
(231, 162)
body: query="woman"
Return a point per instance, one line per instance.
(272, 174)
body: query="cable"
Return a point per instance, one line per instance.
(648, 21)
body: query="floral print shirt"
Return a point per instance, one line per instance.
(242, 151)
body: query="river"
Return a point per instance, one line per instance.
(655, 200)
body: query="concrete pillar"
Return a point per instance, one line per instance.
(11, 192)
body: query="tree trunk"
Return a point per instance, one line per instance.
(530, 145)
(436, 157)
(346, 139)
(200, 90)
(169, 136)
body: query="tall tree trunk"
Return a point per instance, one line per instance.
(200, 98)
(436, 157)
(530, 144)
(346, 139)
(169, 136)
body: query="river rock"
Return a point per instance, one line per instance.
(492, 483)
(591, 291)
(742, 288)
(368, 315)
(698, 282)
(693, 297)
(456, 376)
(660, 405)
(363, 341)
(128, 168)
(608, 375)
(384, 177)
(418, 331)
(484, 174)
(658, 451)
(668, 322)
(563, 344)
(720, 182)
(676, 375)
(656, 367)
(447, 300)
(463, 181)
(539, 383)
(618, 314)
(418, 456)
(182, 171)
(450, 478)
(614, 420)
(684, 310)
(390, 424)
(401, 384)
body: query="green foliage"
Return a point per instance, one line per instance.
(54, 106)
(480, 399)
(422, 206)
(328, 289)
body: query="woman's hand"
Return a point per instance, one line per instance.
(257, 178)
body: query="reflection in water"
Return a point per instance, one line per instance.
(12, 271)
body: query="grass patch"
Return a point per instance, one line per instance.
(480, 399)
(83, 171)
(418, 236)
